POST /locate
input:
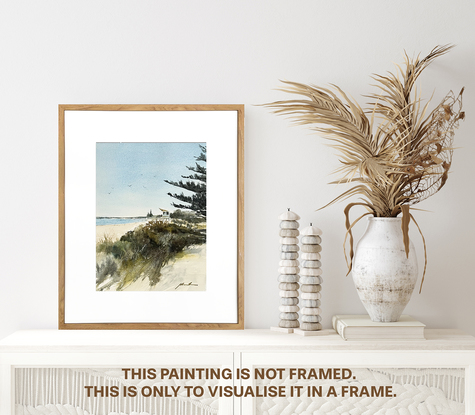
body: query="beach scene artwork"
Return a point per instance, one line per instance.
(151, 216)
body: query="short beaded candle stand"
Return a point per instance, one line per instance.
(289, 273)
(311, 280)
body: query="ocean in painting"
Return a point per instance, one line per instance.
(151, 216)
(118, 221)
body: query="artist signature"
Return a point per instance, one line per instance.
(184, 284)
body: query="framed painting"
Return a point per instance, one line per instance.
(151, 226)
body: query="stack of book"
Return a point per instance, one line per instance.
(360, 327)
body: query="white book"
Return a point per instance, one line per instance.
(360, 327)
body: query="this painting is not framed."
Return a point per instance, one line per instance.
(151, 216)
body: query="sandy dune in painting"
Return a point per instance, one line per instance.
(188, 267)
(114, 232)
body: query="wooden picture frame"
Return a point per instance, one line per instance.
(166, 135)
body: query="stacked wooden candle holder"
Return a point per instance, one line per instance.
(311, 280)
(289, 272)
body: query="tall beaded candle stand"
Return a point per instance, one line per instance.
(288, 270)
(311, 280)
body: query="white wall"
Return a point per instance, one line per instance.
(215, 51)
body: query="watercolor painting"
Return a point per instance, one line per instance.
(150, 216)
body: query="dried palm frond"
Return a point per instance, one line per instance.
(397, 163)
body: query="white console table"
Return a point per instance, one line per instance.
(45, 371)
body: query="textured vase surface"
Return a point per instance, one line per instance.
(384, 277)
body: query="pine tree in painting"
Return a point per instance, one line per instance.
(196, 184)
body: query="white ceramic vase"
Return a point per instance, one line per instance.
(384, 277)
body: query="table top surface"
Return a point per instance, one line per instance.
(218, 340)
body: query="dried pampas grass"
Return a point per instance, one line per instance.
(395, 153)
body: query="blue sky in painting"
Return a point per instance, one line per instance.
(130, 176)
